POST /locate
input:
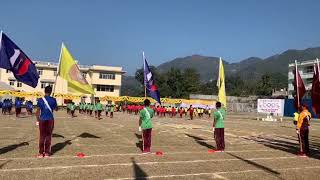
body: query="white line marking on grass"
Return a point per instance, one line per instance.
(144, 163)
(219, 176)
(216, 174)
(135, 154)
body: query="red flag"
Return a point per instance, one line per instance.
(299, 87)
(315, 92)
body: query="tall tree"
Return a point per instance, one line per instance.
(264, 86)
(175, 82)
(209, 88)
(191, 79)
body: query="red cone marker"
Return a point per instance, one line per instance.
(81, 155)
(159, 153)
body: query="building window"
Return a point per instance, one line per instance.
(84, 75)
(40, 71)
(55, 72)
(105, 88)
(8, 71)
(309, 69)
(11, 82)
(19, 84)
(107, 76)
(43, 85)
(309, 81)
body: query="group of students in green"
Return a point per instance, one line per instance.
(89, 108)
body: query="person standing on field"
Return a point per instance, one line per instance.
(99, 109)
(45, 117)
(111, 110)
(191, 112)
(218, 127)
(303, 130)
(145, 125)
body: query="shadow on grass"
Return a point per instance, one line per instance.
(3, 164)
(139, 143)
(284, 144)
(264, 168)
(12, 147)
(59, 146)
(139, 136)
(200, 141)
(139, 173)
(57, 135)
(88, 135)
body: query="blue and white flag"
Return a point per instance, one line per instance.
(151, 87)
(14, 59)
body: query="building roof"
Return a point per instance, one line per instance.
(302, 63)
(4, 86)
(54, 65)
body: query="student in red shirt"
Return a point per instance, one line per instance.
(191, 112)
(164, 111)
(181, 112)
(173, 112)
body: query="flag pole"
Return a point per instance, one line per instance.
(144, 82)
(297, 89)
(58, 68)
(218, 80)
(0, 36)
(318, 68)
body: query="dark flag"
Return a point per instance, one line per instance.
(315, 92)
(299, 87)
(149, 83)
(14, 59)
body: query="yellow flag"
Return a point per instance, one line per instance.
(69, 70)
(221, 85)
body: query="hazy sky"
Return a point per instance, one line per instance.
(115, 32)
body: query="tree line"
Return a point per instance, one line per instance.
(176, 83)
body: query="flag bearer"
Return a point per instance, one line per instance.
(218, 127)
(45, 117)
(303, 130)
(145, 123)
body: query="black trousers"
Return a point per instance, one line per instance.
(219, 137)
(304, 140)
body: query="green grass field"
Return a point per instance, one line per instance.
(254, 149)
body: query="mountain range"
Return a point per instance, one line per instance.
(251, 68)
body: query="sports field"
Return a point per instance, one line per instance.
(254, 149)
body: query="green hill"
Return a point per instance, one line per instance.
(251, 68)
